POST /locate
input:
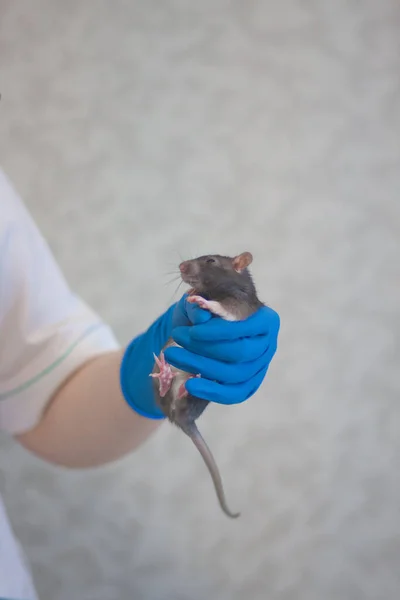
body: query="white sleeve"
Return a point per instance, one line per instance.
(46, 332)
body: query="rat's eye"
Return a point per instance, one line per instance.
(210, 260)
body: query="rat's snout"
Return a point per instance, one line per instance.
(188, 270)
(188, 267)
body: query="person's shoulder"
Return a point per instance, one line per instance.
(11, 206)
(16, 222)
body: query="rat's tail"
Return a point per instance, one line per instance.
(208, 458)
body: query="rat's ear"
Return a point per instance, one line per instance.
(242, 261)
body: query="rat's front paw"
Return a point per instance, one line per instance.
(202, 302)
(211, 305)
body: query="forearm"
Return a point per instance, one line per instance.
(88, 422)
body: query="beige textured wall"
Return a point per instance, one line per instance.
(138, 131)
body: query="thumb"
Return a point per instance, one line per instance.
(186, 314)
(197, 315)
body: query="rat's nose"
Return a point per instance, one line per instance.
(183, 267)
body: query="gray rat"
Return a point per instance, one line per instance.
(224, 286)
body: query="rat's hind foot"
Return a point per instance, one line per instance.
(165, 375)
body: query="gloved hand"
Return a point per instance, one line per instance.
(232, 357)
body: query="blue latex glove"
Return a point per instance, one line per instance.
(232, 357)
(138, 362)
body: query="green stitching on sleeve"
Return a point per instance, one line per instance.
(50, 367)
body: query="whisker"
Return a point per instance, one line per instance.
(178, 254)
(172, 280)
(173, 294)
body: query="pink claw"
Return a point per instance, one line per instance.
(160, 363)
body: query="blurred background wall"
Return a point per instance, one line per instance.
(139, 132)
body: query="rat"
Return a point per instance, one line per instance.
(224, 286)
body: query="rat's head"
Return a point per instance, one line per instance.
(214, 275)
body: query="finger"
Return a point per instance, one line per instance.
(235, 351)
(222, 393)
(265, 321)
(229, 373)
(196, 314)
(186, 314)
(180, 317)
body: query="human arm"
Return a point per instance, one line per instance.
(60, 395)
(106, 408)
(88, 422)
